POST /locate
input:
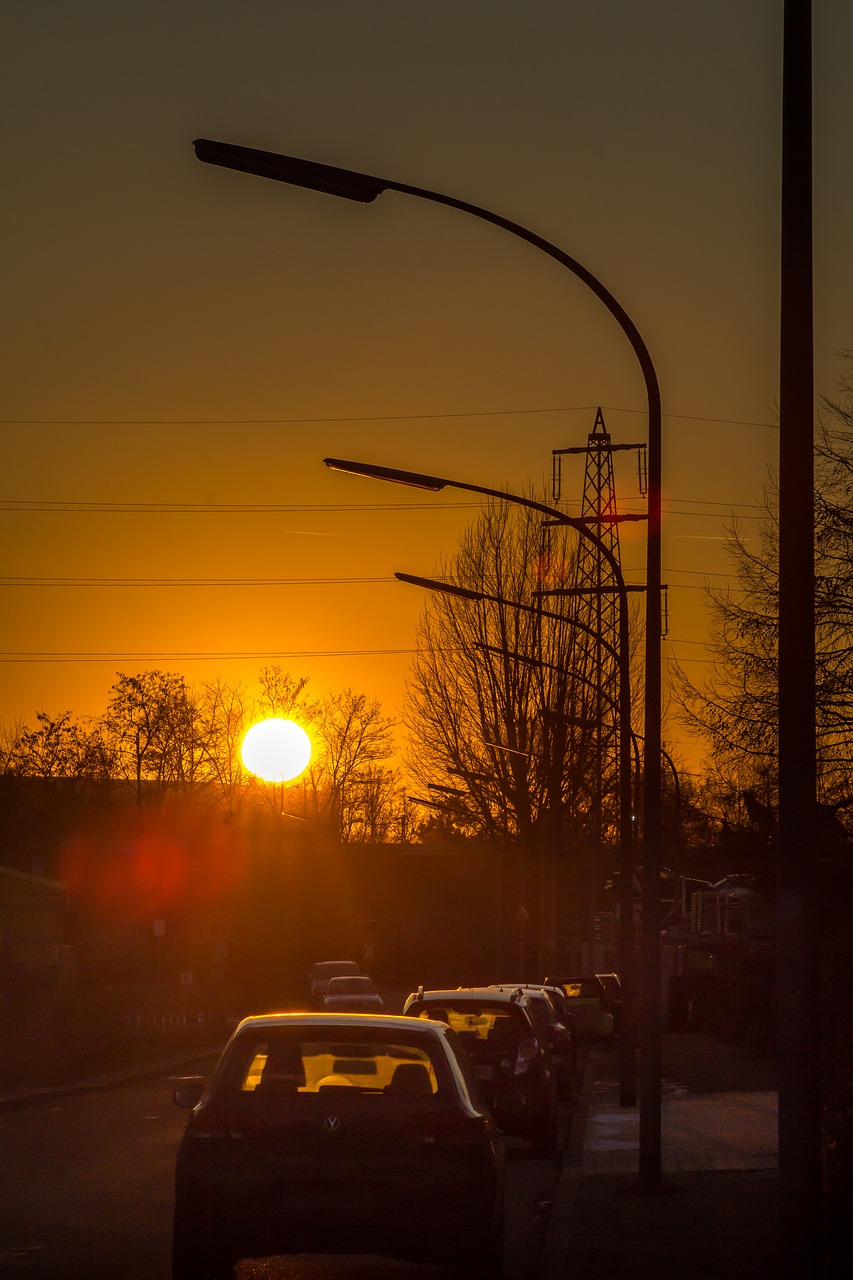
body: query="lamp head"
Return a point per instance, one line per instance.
(298, 173)
(413, 478)
(445, 588)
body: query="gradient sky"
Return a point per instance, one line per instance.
(181, 339)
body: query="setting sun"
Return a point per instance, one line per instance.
(276, 750)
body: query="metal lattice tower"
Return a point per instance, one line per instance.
(594, 688)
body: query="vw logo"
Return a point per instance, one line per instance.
(332, 1124)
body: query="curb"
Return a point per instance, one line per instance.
(562, 1223)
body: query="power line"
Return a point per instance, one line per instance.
(73, 507)
(68, 505)
(391, 417)
(59, 657)
(36, 656)
(31, 581)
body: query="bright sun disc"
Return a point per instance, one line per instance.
(276, 750)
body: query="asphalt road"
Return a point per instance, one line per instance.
(87, 1192)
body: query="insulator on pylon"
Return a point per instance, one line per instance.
(556, 475)
(643, 471)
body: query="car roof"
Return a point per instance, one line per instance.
(473, 995)
(525, 986)
(355, 1021)
(456, 993)
(530, 989)
(578, 977)
(532, 986)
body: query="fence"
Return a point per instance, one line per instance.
(50, 1037)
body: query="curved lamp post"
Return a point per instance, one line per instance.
(364, 188)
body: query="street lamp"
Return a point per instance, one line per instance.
(436, 484)
(364, 188)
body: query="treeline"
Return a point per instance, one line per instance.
(166, 739)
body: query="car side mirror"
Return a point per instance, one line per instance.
(188, 1094)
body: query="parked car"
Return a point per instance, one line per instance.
(322, 970)
(511, 1061)
(588, 1001)
(352, 994)
(549, 1005)
(338, 1133)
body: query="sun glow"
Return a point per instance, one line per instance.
(276, 750)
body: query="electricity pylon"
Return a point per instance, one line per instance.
(594, 679)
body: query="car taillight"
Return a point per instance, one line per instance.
(216, 1120)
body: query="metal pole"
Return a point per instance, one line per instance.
(798, 936)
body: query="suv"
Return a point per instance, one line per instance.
(338, 1133)
(322, 970)
(512, 1063)
(587, 999)
(556, 1024)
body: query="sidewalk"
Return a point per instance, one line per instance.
(715, 1214)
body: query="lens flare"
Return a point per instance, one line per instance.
(276, 750)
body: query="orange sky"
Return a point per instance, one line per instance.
(184, 345)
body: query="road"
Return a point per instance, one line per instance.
(87, 1192)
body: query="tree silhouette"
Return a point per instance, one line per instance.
(490, 696)
(735, 708)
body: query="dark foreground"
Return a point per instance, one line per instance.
(701, 1226)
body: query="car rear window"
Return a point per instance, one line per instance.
(475, 1023)
(266, 1063)
(350, 986)
(583, 990)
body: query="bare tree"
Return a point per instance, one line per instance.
(10, 738)
(150, 722)
(59, 747)
(354, 738)
(222, 716)
(490, 696)
(284, 695)
(372, 806)
(735, 708)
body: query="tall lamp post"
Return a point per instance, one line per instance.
(798, 1023)
(364, 188)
